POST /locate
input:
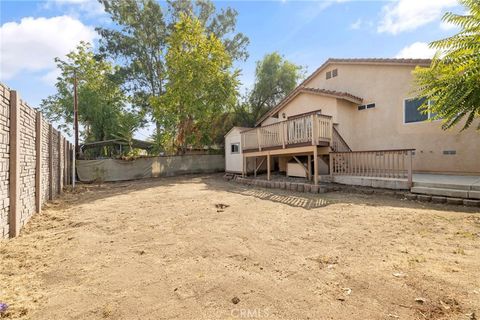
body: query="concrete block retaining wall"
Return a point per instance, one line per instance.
(121, 170)
(26, 162)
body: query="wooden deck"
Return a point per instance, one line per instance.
(301, 131)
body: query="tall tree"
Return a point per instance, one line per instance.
(138, 41)
(452, 82)
(275, 78)
(201, 85)
(101, 100)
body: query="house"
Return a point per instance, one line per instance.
(355, 118)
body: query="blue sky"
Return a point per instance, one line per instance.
(33, 33)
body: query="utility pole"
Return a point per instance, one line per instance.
(75, 126)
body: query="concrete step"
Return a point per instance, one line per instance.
(441, 185)
(454, 193)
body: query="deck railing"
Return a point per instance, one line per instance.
(307, 129)
(377, 163)
(338, 144)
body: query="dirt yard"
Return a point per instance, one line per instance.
(170, 249)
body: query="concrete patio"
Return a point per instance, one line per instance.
(447, 185)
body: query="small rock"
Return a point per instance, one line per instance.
(347, 291)
(235, 300)
(399, 274)
(420, 300)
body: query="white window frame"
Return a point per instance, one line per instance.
(232, 144)
(429, 114)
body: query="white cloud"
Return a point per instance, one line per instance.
(356, 25)
(419, 50)
(407, 15)
(447, 26)
(76, 8)
(32, 44)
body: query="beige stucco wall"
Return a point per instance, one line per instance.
(383, 127)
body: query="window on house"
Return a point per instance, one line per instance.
(362, 107)
(235, 148)
(329, 74)
(334, 73)
(412, 114)
(370, 105)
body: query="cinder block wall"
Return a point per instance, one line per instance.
(27, 161)
(4, 159)
(32, 162)
(55, 185)
(45, 189)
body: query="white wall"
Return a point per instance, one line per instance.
(233, 161)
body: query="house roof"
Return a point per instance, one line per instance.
(322, 92)
(333, 93)
(358, 61)
(241, 129)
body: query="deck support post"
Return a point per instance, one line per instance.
(315, 165)
(255, 171)
(409, 168)
(330, 164)
(309, 167)
(314, 130)
(268, 166)
(244, 165)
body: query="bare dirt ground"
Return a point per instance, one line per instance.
(166, 249)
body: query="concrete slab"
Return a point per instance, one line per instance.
(446, 179)
(473, 194)
(438, 199)
(423, 197)
(375, 182)
(454, 193)
(471, 203)
(454, 201)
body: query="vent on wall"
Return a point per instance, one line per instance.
(449, 152)
(331, 74)
(366, 106)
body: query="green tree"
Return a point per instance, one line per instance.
(201, 85)
(128, 123)
(452, 82)
(275, 78)
(138, 41)
(101, 100)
